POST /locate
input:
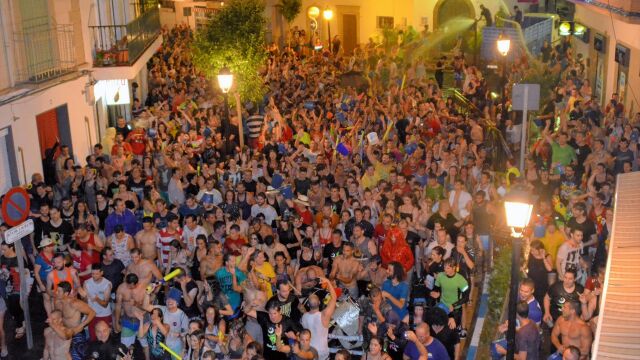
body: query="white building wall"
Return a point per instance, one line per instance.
(617, 32)
(25, 131)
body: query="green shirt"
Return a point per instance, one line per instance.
(563, 155)
(435, 193)
(451, 287)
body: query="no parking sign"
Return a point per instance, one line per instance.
(15, 206)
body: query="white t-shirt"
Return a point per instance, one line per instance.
(98, 289)
(463, 200)
(178, 324)
(268, 211)
(448, 247)
(189, 236)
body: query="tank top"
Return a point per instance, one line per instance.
(84, 245)
(319, 333)
(304, 263)
(154, 342)
(57, 280)
(102, 215)
(120, 250)
(212, 344)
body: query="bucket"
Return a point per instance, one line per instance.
(276, 181)
(287, 192)
(343, 149)
(207, 198)
(372, 137)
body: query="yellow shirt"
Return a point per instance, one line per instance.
(265, 274)
(382, 170)
(369, 182)
(552, 243)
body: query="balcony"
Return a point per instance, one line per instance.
(43, 52)
(629, 10)
(122, 45)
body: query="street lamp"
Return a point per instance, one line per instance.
(504, 44)
(225, 80)
(327, 14)
(518, 207)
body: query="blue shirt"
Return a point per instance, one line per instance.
(127, 220)
(226, 284)
(436, 350)
(45, 268)
(535, 312)
(400, 291)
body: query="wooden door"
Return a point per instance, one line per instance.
(47, 123)
(349, 32)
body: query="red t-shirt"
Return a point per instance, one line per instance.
(228, 242)
(81, 264)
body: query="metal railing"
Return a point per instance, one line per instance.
(122, 45)
(43, 52)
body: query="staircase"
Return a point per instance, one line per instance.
(618, 333)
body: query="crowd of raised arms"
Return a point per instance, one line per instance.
(355, 222)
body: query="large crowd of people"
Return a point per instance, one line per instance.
(353, 223)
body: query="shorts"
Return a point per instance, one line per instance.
(129, 330)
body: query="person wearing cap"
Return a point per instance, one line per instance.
(177, 320)
(42, 267)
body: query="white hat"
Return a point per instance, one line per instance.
(302, 200)
(45, 242)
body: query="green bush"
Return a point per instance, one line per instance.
(235, 37)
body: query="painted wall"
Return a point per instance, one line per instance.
(620, 32)
(405, 13)
(24, 128)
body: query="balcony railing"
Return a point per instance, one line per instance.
(122, 45)
(43, 52)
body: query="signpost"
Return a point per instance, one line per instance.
(15, 210)
(525, 97)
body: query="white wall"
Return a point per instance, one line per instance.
(616, 31)
(25, 130)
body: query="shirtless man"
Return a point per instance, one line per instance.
(57, 338)
(131, 298)
(147, 239)
(212, 262)
(346, 269)
(570, 329)
(144, 268)
(72, 311)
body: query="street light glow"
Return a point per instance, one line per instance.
(518, 209)
(225, 79)
(327, 14)
(313, 12)
(503, 45)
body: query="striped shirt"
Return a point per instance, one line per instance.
(254, 125)
(164, 244)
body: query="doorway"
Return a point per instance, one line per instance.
(447, 10)
(53, 125)
(349, 33)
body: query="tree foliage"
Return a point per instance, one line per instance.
(290, 9)
(235, 37)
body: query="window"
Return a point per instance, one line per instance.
(384, 22)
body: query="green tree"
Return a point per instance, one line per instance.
(289, 10)
(235, 37)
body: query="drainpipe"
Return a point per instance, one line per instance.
(5, 42)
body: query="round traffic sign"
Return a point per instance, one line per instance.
(15, 206)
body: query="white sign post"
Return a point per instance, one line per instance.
(11, 236)
(525, 97)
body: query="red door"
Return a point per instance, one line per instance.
(47, 130)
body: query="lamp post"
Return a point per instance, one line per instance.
(327, 14)
(504, 44)
(518, 207)
(225, 80)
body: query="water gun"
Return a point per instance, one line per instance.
(166, 278)
(171, 352)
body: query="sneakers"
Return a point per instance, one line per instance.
(462, 333)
